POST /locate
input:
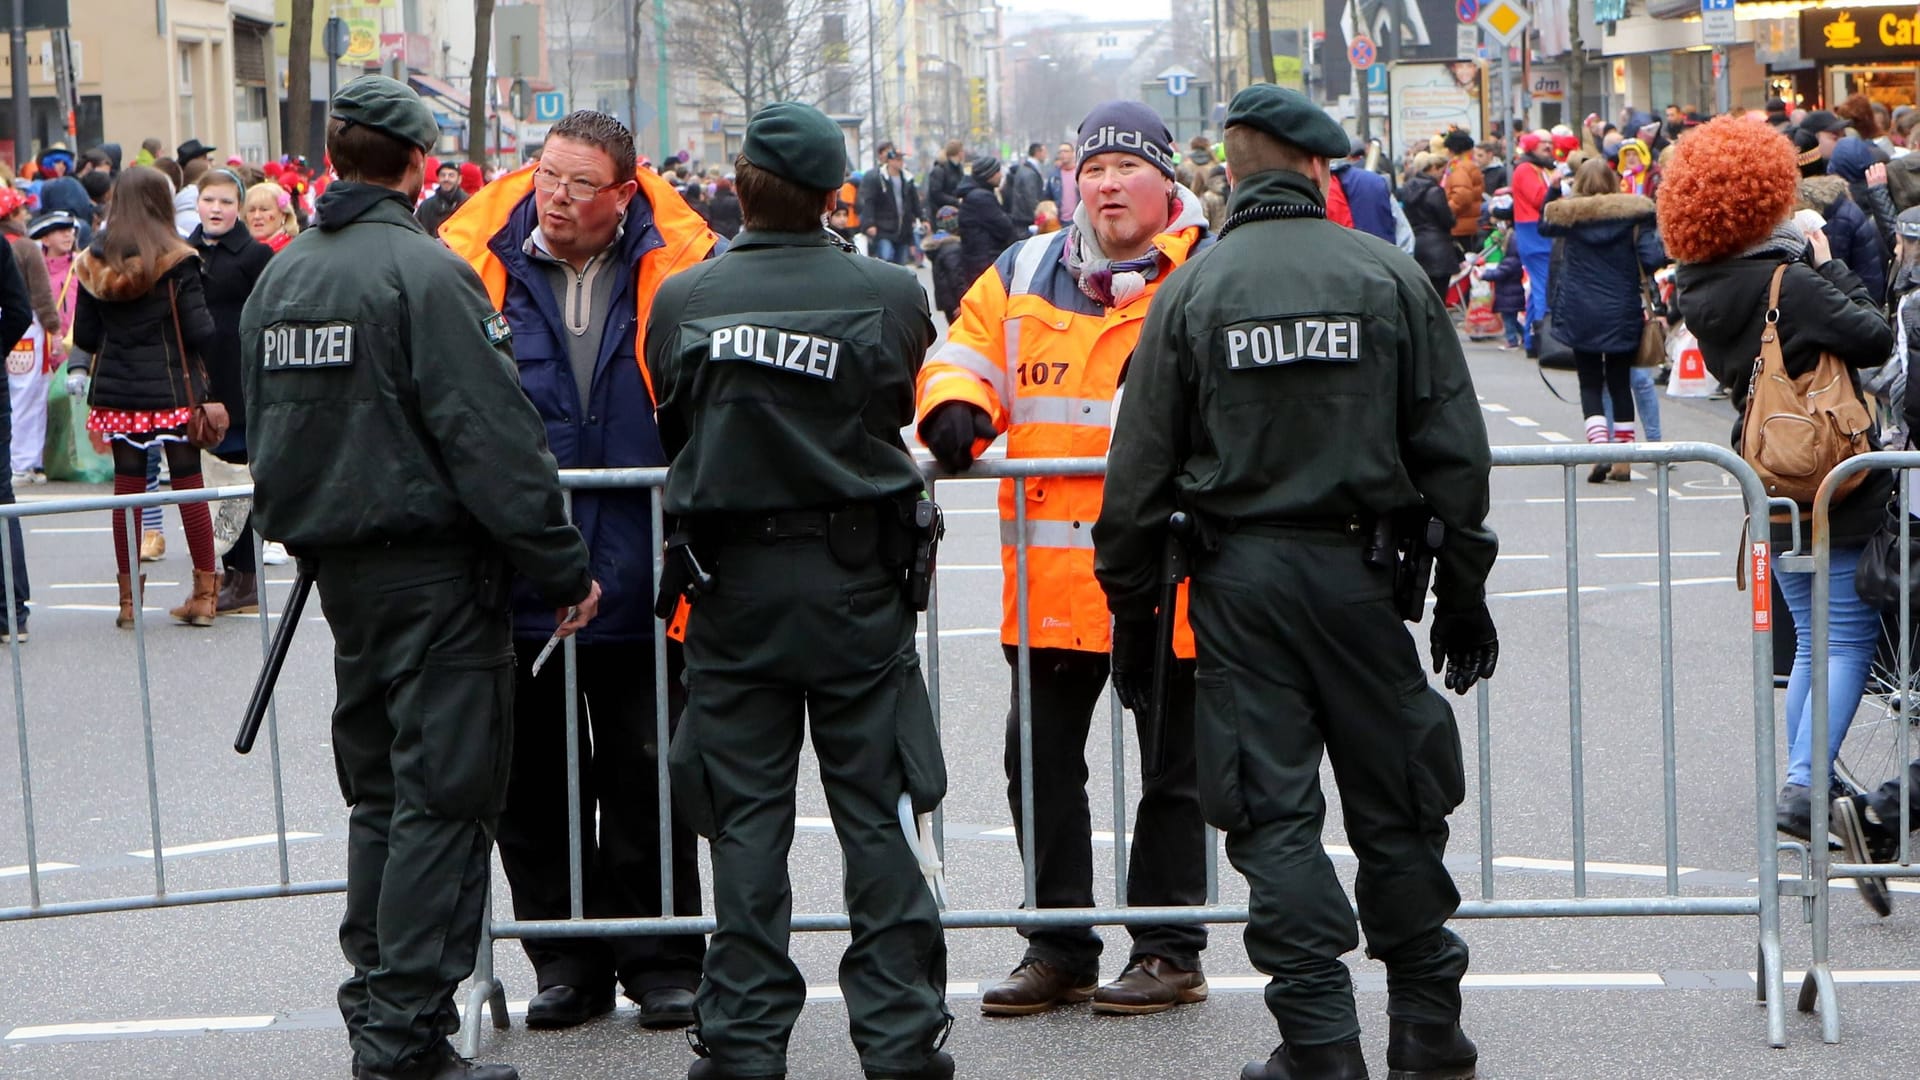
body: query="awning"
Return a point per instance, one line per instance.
(448, 104)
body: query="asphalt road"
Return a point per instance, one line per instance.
(246, 990)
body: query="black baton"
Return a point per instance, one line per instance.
(276, 656)
(1153, 750)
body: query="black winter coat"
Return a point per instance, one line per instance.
(1824, 309)
(130, 333)
(1851, 234)
(950, 280)
(723, 213)
(1593, 293)
(876, 205)
(229, 266)
(985, 228)
(1431, 218)
(943, 186)
(1025, 186)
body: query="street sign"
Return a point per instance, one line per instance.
(1466, 10)
(1466, 41)
(1178, 79)
(335, 38)
(1716, 22)
(549, 105)
(520, 100)
(1377, 79)
(1360, 52)
(1504, 19)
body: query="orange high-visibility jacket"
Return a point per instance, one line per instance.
(1044, 362)
(687, 240)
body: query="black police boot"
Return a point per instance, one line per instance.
(1793, 813)
(1429, 1052)
(665, 1008)
(441, 1064)
(938, 1067)
(709, 1069)
(562, 1006)
(1329, 1061)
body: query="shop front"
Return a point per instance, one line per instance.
(1873, 51)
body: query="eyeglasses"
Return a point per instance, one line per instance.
(547, 182)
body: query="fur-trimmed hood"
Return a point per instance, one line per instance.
(100, 278)
(1821, 192)
(1586, 209)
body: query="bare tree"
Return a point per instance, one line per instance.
(1054, 88)
(565, 21)
(762, 51)
(298, 137)
(477, 82)
(1576, 69)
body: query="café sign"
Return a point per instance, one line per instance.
(1860, 34)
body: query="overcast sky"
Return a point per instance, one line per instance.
(1095, 9)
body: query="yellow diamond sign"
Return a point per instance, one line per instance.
(1504, 19)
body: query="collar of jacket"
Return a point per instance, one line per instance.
(1275, 186)
(759, 238)
(234, 240)
(1581, 209)
(346, 202)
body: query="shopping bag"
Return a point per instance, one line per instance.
(70, 453)
(1689, 377)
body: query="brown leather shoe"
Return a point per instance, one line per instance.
(1034, 987)
(1150, 984)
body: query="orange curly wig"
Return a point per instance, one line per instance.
(1730, 181)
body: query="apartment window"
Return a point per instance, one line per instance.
(1109, 41)
(184, 89)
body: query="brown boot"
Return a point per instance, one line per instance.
(199, 608)
(1150, 984)
(125, 619)
(1621, 470)
(239, 594)
(1035, 987)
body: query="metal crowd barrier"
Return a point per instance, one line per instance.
(487, 993)
(1818, 990)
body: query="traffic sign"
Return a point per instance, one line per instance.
(1178, 79)
(549, 105)
(1360, 52)
(520, 100)
(1377, 79)
(1716, 22)
(1504, 19)
(1467, 10)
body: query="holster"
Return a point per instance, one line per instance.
(1416, 541)
(681, 575)
(925, 527)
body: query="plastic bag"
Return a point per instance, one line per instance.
(70, 451)
(1689, 377)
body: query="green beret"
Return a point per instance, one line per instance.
(387, 106)
(799, 143)
(1287, 114)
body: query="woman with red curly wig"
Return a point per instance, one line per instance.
(1724, 212)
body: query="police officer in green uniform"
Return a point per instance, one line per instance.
(785, 372)
(1299, 391)
(396, 456)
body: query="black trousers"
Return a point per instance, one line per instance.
(1167, 863)
(1612, 372)
(620, 858)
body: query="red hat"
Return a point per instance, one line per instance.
(471, 178)
(11, 201)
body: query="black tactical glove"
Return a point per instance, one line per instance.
(950, 431)
(1465, 643)
(1133, 643)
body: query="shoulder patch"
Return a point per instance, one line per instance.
(497, 330)
(1265, 343)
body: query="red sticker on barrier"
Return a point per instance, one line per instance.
(1762, 590)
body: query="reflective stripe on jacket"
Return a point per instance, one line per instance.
(1044, 361)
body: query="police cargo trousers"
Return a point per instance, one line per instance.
(619, 820)
(789, 637)
(1301, 651)
(1167, 864)
(422, 730)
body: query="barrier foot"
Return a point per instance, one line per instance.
(1770, 990)
(485, 995)
(1817, 991)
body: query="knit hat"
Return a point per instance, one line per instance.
(1126, 127)
(1907, 225)
(985, 169)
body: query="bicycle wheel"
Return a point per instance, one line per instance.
(1872, 751)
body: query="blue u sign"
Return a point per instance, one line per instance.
(1377, 79)
(549, 105)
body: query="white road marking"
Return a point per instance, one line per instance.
(1655, 555)
(1561, 590)
(222, 845)
(1689, 581)
(69, 530)
(1504, 557)
(1680, 497)
(45, 867)
(968, 510)
(969, 566)
(1556, 500)
(1549, 979)
(1520, 862)
(1861, 977)
(1492, 408)
(108, 585)
(139, 1027)
(1523, 421)
(1553, 436)
(972, 631)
